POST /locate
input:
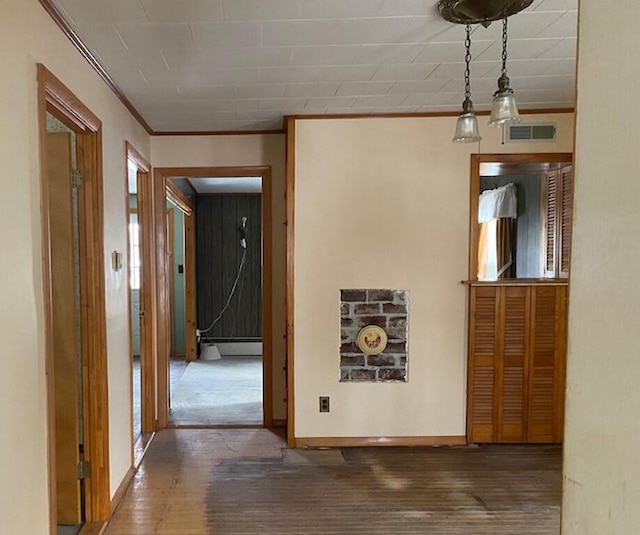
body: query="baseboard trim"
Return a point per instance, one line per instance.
(122, 488)
(359, 442)
(278, 424)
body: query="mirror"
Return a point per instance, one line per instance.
(521, 221)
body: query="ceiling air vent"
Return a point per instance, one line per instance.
(520, 133)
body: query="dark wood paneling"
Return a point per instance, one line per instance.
(529, 224)
(218, 255)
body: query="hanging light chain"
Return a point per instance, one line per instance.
(467, 60)
(504, 46)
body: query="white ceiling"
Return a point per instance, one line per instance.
(243, 184)
(207, 65)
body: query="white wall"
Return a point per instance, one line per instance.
(384, 203)
(244, 150)
(602, 472)
(28, 36)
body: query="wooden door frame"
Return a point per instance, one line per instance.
(147, 345)
(476, 160)
(56, 98)
(160, 187)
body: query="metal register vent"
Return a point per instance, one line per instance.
(531, 132)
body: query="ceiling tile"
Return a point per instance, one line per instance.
(565, 48)
(158, 36)
(281, 103)
(418, 86)
(226, 34)
(448, 52)
(235, 105)
(565, 26)
(324, 55)
(331, 102)
(343, 73)
(429, 29)
(320, 89)
(213, 76)
(354, 89)
(181, 11)
(150, 59)
(406, 7)
(103, 36)
(404, 71)
(282, 75)
(525, 25)
(519, 49)
(262, 9)
(557, 5)
(260, 91)
(165, 76)
(377, 54)
(206, 92)
(450, 70)
(331, 32)
(228, 58)
(329, 9)
(430, 99)
(378, 101)
(101, 12)
(128, 77)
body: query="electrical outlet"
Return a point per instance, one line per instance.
(324, 403)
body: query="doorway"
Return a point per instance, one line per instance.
(140, 301)
(75, 313)
(227, 319)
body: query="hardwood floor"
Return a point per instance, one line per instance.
(245, 481)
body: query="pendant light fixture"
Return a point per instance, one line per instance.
(504, 109)
(467, 124)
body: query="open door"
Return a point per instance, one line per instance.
(66, 354)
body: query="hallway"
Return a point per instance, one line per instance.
(245, 481)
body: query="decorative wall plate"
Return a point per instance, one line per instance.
(372, 340)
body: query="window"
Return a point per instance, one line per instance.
(134, 251)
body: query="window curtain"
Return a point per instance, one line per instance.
(497, 212)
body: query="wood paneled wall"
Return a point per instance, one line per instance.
(218, 255)
(528, 252)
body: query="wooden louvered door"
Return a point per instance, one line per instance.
(557, 214)
(512, 363)
(483, 350)
(547, 363)
(550, 223)
(517, 346)
(565, 219)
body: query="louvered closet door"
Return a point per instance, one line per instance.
(550, 222)
(566, 217)
(483, 347)
(546, 370)
(512, 363)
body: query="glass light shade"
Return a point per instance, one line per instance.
(467, 128)
(504, 109)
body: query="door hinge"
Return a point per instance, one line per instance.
(77, 178)
(84, 470)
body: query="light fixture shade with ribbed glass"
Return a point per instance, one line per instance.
(504, 109)
(467, 128)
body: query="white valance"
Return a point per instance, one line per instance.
(498, 203)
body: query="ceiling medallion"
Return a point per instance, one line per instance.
(480, 11)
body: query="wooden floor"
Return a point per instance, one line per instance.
(233, 482)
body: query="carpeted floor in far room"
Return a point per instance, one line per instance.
(217, 392)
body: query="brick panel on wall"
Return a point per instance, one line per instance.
(387, 309)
